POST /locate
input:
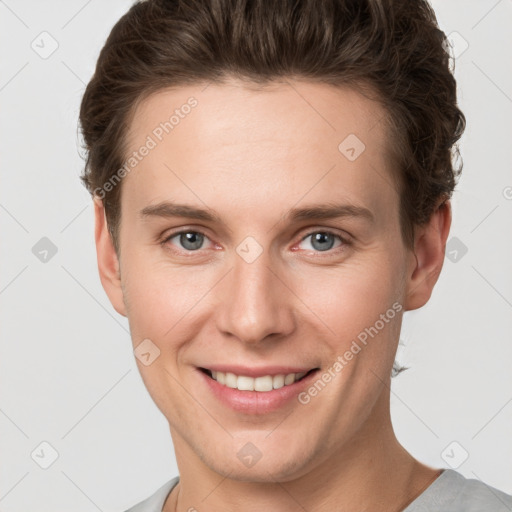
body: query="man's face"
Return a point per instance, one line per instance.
(256, 289)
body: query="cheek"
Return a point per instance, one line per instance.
(161, 299)
(361, 306)
(353, 293)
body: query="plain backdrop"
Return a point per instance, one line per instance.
(68, 374)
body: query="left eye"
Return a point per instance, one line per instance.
(322, 240)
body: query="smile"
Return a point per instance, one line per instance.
(262, 384)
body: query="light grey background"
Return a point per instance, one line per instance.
(68, 374)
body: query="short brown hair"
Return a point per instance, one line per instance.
(393, 46)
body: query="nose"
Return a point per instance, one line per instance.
(256, 304)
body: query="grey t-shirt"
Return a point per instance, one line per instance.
(450, 492)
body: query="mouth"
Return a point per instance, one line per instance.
(262, 384)
(256, 391)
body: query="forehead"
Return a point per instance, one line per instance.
(283, 142)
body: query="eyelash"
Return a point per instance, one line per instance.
(345, 241)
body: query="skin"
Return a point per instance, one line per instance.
(251, 155)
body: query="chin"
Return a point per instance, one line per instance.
(261, 472)
(248, 464)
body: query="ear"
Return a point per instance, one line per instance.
(108, 263)
(428, 257)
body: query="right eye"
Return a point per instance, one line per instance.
(190, 241)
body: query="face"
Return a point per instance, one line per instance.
(260, 238)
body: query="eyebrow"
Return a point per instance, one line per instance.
(168, 209)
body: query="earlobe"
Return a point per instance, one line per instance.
(428, 257)
(108, 263)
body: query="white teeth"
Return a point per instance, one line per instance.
(289, 379)
(230, 380)
(265, 383)
(245, 383)
(278, 381)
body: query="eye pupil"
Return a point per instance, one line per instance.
(191, 240)
(321, 238)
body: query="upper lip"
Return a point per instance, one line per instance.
(251, 371)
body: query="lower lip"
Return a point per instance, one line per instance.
(256, 402)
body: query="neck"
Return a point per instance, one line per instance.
(370, 472)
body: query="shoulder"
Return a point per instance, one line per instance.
(452, 492)
(155, 501)
(475, 495)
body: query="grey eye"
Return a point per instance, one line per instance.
(191, 240)
(322, 241)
